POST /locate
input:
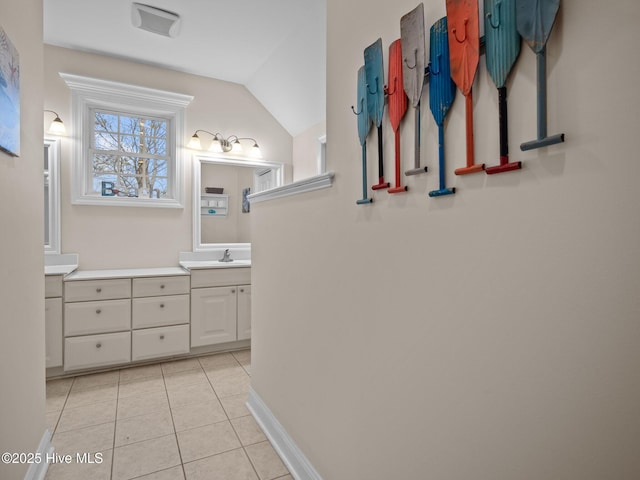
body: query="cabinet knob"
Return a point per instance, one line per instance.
(161, 337)
(98, 345)
(233, 290)
(98, 311)
(162, 305)
(98, 290)
(242, 290)
(161, 286)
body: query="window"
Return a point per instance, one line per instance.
(128, 144)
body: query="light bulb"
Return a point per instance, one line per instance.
(195, 142)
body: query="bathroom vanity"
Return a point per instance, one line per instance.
(98, 319)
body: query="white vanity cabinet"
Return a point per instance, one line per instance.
(53, 320)
(220, 305)
(160, 318)
(97, 323)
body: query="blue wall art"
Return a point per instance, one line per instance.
(9, 96)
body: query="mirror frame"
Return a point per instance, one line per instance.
(52, 146)
(197, 160)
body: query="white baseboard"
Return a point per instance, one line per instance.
(298, 465)
(37, 471)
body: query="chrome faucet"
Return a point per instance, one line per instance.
(226, 257)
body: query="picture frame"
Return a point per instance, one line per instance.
(9, 96)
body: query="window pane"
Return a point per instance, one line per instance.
(156, 146)
(130, 143)
(155, 128)
(106, 141)
(127, 165)
(104, 164)
(157, 167)
(130, 125)
(106, 122)
(98, 179)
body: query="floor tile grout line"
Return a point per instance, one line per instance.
(173, 422)
(115, 427)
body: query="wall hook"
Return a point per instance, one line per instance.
(395, 87)
(497, 11)
(415, 60)
(361, 108)
(455, 34)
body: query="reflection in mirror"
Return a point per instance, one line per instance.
(51, 196)
(221, 211)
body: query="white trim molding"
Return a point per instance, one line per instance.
(37, 471)
(298, 465)
(310, 184)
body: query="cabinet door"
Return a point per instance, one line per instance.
(53, 331)
(244, 312)
(213, 315)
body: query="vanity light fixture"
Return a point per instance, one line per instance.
(56, 127)
(221, 144)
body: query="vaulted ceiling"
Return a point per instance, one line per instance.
(276, 48)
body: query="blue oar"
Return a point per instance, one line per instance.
(442, 92)
(364, 125)
(535, 21)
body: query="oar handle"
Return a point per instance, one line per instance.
(469, 128)
(380, 153)
(542, 93)
(417, 138)
(441, 155)
(502, 109)
(364, 170)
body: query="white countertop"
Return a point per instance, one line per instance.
(59, 269)
(200, 264)
(126, 273)
(60, 264)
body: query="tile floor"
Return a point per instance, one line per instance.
(178, 420)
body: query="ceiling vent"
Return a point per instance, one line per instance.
(155, 20)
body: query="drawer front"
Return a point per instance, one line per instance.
(87, 290)
(149, 287)
(159, 311)
(159, 342)
(97, 350)
(52, 286)
(53, 332)
(97, 317)
(220, 277)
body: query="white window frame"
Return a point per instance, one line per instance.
(89, 93)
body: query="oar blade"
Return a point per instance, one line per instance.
(502, 39)
(535, 21)
(397, 98)
(414, 53)
(364, 121)
(464, 41)
(442, 89)
(374, 71)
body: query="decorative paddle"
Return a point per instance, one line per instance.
(442, 92)
(413, 69)
(535, 21)
(397, 104)
(502, 48)
(364, 125)
(464, 48)
(375, 99)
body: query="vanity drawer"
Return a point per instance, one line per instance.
(52, 286)
(86, 290)
(159, 342)
(220, 277)
(97, 350)
(149, 287)
(159, 311)
(97, 317)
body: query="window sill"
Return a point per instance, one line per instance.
(318, 182)
(127, 202)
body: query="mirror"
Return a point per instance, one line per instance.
(51, 196)
(220, 209)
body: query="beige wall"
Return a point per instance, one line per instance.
(492, 334)
(120, 237)
(306, 151)
(22, 401)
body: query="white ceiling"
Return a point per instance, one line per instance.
(276, 48)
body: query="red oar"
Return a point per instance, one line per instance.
(397, 104)
(464, 48)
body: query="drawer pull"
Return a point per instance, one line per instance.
(98, 311)
(162, 305)
(162, 287)
(98, 345)
(98, 290)
(233, 290)
(242, 290)
(162, 337)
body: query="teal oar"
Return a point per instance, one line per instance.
(364, 125)
(502, 43)
(413, 68)
(374, 71)
(442, 92)
(535, 21)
